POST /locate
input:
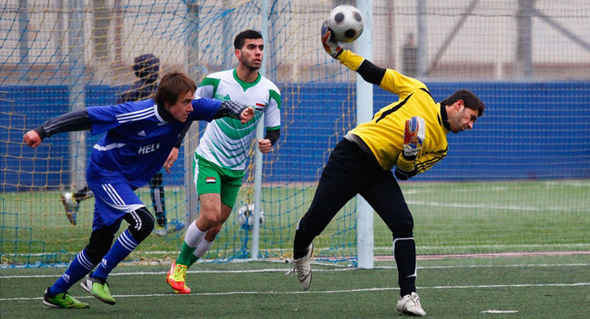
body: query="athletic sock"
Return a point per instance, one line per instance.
(300, 243)
(404, 251)
(201, 249)
(122, 247)
(192, 238)
(78, 268)
(186, 256)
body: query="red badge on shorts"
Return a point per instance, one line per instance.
(210, 180)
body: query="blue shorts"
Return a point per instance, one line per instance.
(114, 197)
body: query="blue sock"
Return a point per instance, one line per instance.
(123, 246)
(78, 268)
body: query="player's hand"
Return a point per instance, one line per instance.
(329, 42)
(403, 175)
(172, 157)
(414, 135)
(32, 138)
(264, 145)
(247, 114)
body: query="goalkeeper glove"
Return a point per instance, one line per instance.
(414, 135)
(403, 175)
(329, 42)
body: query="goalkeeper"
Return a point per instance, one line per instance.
(409, 135)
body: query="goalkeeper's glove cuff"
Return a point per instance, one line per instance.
(404, 175)
(409, 158)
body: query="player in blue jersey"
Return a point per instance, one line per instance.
(139, 138)
(146, 68)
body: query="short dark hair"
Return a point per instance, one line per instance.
(469, 99)
(172, 86)
(246, 34)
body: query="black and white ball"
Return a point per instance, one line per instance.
(346, 22)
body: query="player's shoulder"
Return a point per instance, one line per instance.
(135, 107)
(215, 76)
(139, 105)
(269, 84)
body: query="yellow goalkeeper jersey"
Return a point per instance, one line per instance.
(384, 134)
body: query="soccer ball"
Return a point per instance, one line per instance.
(246, 216)
(346, 23)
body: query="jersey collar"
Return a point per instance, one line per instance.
(445, 119)
(162, 114)
(245, 85)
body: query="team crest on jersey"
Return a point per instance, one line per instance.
(210, 180)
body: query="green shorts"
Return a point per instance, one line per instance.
(211, 178)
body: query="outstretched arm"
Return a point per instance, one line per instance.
(369, 71)
(73, 121)
(235, 110)
(388, 79)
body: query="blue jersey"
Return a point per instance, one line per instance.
(138, 139)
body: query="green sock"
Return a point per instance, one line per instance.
(186, 255)
(192, 259)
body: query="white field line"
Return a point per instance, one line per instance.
(285, 270)
(495, 207)
(378, 248)
(321, 292)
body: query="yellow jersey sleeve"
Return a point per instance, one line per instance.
(400, 84)
(392, 81)
(384, 134)
(427, 160)
(351, 60)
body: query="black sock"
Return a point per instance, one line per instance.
(405, 258)
(300, 244)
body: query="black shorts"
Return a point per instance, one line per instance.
(351, 171)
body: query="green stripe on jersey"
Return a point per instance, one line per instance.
(275, 96)
(211, 81)
(234, 129)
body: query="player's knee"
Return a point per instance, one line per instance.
(211, 220)
(141, 223)
(403, 228)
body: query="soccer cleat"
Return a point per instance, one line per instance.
(71, 206)
(302, 267)
(161, 230)
(175, 226)
(100, 290)
(63, 300)
(410, 305)
(176, 278)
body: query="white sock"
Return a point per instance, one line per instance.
(202, 248)
(193, 235)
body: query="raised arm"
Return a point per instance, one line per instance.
(388, 79)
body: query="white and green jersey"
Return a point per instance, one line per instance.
(226, 141)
